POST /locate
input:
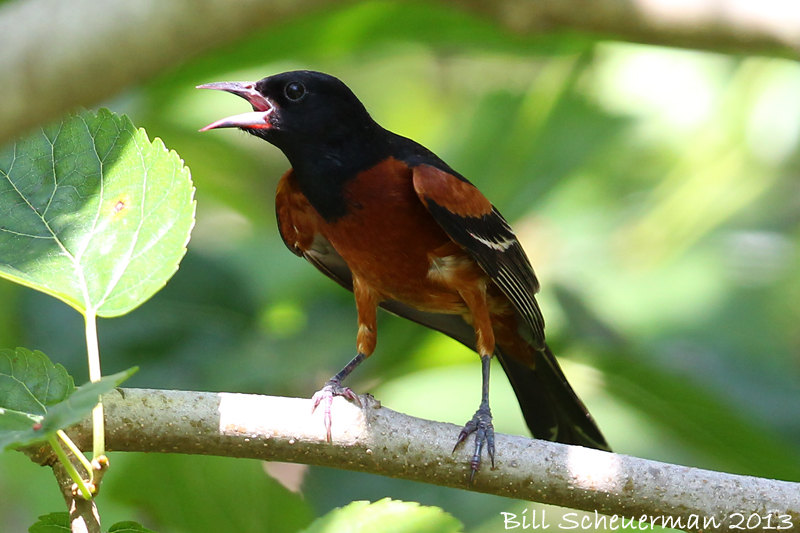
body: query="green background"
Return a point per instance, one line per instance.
(654, 189)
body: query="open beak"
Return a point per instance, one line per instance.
(259, 118)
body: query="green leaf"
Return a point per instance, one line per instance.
(129, 527)
(82, 401)
(94, 213)
(51, 523)
(20, 428)
(15, 422)
(387, 516)
(29, 381)
(29, 384)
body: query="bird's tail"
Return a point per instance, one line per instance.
(550, 407)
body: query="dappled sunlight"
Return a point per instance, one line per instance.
(594, 470)
(778, 16)
(284, 319)
(451, 394)
(584, 378)
(756, 258)
(696, 198)
(657, 188)
(712, 178)
(773, 125)
(220, 228)
(268, 416)
(678, 90)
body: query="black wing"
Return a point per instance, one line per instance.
(472, 222)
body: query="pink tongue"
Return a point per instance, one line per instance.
(252, 119)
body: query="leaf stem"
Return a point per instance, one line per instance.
(77, 453)
(70, 468)
(93, 352)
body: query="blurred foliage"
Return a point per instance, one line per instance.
(654, 189)
(386, 515)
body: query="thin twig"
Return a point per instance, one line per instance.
(83, 515)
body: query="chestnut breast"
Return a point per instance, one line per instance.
(389, 238)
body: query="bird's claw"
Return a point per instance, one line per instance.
(326, 394)
(481, 425)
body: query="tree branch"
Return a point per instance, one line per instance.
(760, 28)
(83, 515)
(56, 55)
(378, 440)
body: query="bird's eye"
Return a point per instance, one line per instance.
(294, 91)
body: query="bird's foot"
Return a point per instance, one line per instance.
(481, 425)
(326, 395)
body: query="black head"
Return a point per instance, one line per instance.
(304, 113)
(319, 125)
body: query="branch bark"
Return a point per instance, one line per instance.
(83, 514)
(760, 28)
(380, 441)
(56, 55)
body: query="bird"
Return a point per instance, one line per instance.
(387, 219)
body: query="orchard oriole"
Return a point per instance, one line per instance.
(388, 220)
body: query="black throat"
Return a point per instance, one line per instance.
(324, 168)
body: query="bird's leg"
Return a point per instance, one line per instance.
(481, 422)
(367, 306)
(332, 388)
